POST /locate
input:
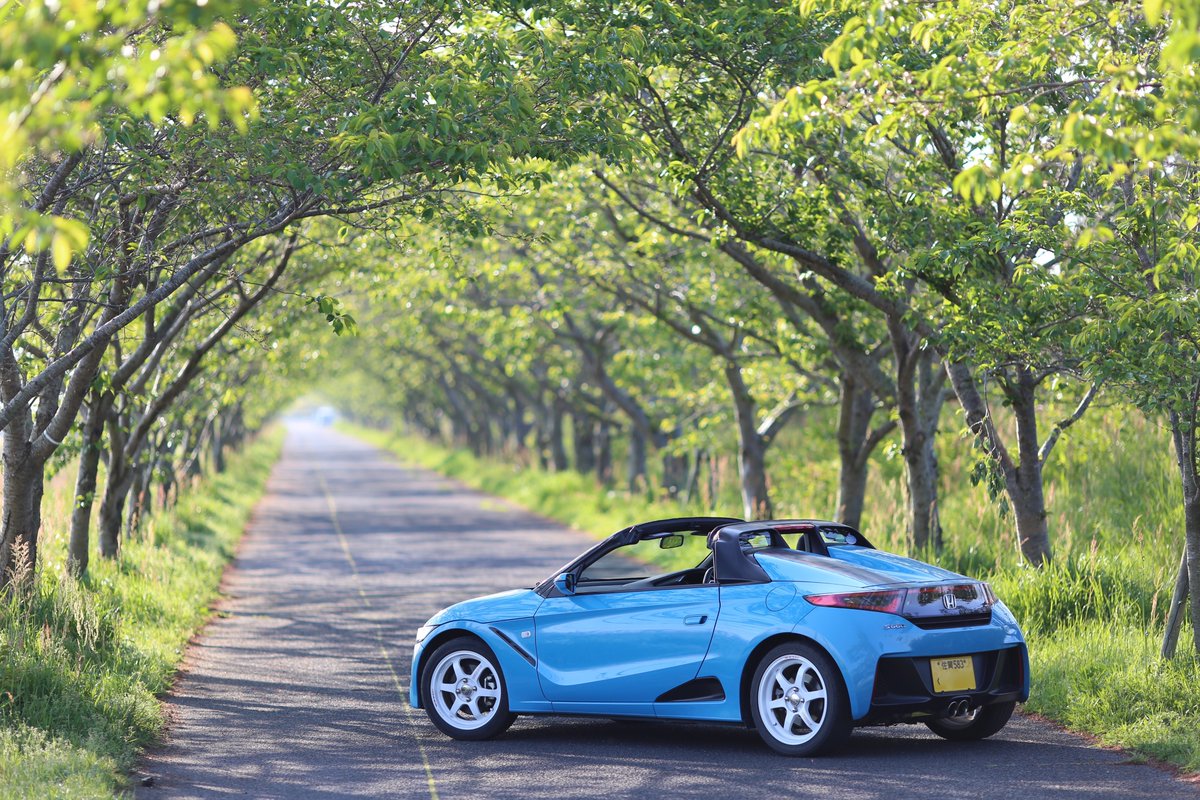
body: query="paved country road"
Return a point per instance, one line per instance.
(299, 688)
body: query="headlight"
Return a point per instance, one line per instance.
(424, 631)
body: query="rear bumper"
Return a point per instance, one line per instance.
(903, 690)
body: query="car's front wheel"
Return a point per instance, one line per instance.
(799, 701)
(979, 724)
(463, 692)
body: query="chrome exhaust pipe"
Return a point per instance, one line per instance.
(958, 708)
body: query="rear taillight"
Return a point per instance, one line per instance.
(947, 602)
(989, 594)
(889, 601)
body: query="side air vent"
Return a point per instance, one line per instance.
(508, 641)
(694, 691)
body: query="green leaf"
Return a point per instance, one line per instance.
(1153, 10)
(61, 250)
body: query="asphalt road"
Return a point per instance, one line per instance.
(298, 689)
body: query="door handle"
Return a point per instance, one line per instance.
(700, 619)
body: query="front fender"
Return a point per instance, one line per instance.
(512, 641)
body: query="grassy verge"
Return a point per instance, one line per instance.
(1093, 618)
(82, 662)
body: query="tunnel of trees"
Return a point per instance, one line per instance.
(630, 239)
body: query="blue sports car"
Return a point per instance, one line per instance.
(798, 628)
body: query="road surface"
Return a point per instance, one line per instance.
(298, 689)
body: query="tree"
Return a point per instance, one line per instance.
(918, 109)
(1136, 250)
(708, 71)
(364, 112)
(68, 68)
(690, 289)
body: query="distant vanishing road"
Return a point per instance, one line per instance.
(299, 688)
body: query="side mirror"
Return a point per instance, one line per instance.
(669, 542)
(565, 583)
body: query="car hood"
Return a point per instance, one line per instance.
(513, 604)
(850, 566)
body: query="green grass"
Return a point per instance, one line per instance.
(1108, 680)
(82, 662)
(1094, 618)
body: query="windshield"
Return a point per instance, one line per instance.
(645, 558)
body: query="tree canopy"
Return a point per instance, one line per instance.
(572, 233)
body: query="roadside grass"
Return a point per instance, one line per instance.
(1094, 618)
(82, 662)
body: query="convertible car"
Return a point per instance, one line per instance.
(798, 628)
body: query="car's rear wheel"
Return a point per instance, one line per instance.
(979, 724)
(798, 701)
(463, 691)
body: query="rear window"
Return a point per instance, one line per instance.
(835, 537)
(831, 536)
(751, 542)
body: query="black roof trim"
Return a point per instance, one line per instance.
(734, 565)
(704, 525)
(810, 542)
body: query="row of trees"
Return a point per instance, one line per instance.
(168, 170)
(883, 206)
(631, 209)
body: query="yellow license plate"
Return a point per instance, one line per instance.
(953, 674)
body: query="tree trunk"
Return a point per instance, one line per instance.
(541, 435)
(604, 462)
(19, 533)
(218, 444)
(674, 473)
(521, 427)
(1024, 483)
(635, 470)
(1176, 611)
(462, 430)
(857, 406)
(752, 453)
(918, 404)
(116, 485)
(166, 486)
(482, 441)
(558, 450)
(1192, 536)
(1184, 430)
(1029, 510)
(137, 500)
(85, 488)
(1022, 479)
(583, 431)
(692, 487)
(112, 512)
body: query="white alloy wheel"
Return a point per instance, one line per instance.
(465, 690)
(792, 699)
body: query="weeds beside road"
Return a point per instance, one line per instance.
(82, 663)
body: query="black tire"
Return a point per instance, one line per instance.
(478, 708)
(786, 729)
(987, 721)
